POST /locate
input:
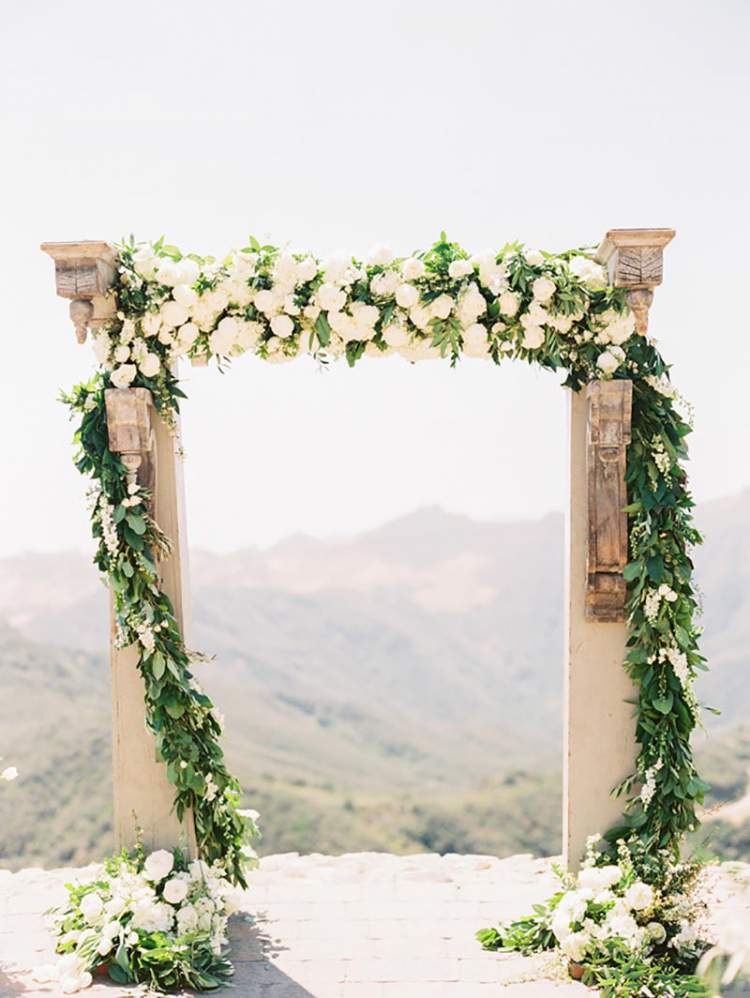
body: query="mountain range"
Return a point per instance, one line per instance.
(397, 689)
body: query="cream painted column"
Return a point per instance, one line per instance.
(599, 725)
(143, 796)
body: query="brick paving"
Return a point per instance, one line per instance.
(364, 925)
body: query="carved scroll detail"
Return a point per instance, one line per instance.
(608, 434)
(84, 272)
(634, 258)
(130, 431)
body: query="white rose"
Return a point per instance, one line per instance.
(379, 256)
(330, 298)
(575, 946)
(158, 864)
(122, 353)
(151, 322)
(123, 376)
(168, 272)
(412, 268)
(187, 334)
(101, 344)
(420, 316)
(460, 268)
(533, 337)
(105, 945)
(442, 307)
(282, 326)
(656, 932)
(114, 907)
(407, 296)
(543, 289)
(187, 919)
(173, 314)
(185, 295)
(144, 263)
(150, 365)
(188, 271)
(509, 303)
(175, 890)
(475, 337)
(395, 336)
(607, 362)
(533, 257)
(266, 302)
(639, 896)
(306, 269)
(335, 269)
(91, 906)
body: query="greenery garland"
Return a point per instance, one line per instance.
(554, 310)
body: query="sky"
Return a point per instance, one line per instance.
(340, 125)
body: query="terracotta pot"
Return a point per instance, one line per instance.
(576, 970)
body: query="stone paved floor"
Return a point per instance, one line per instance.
(355, 926)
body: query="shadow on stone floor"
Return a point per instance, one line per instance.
(252, 949)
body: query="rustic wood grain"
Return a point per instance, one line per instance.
(608, 434)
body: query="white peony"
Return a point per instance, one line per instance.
(639, 896)
(187, 335)
(607, 362)
(158, 864)
(475, 340)
(336, 270)
(384, 285)
(282, 326)
(330, 298)
(306, 269)
(185, 295)
(123, 376)
(150, 365)
(533, 257)
(420, 316)
(122, 354)
(460, 268)
(407, 296)
(599, 878)
(543, 289)
(91, 906)
(175, 890)
(266, 301)
(379, 256)
(412, 268)
(509, 303)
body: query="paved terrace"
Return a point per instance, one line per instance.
(365, 925)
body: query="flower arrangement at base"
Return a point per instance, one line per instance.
(157, 919)
(626, 924)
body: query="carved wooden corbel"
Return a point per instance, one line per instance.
(634, 258)
(609, 406)
(130, 431)
(84, 272)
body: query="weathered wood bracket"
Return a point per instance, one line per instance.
(84, 272)
(609, 406)
(131, 432)
(634, 258)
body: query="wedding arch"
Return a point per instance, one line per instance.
(630, 597)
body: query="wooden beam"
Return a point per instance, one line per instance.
(84, 273)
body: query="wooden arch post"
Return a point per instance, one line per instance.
(599, 725)
(143, 797)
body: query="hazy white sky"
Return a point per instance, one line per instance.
(336, 125)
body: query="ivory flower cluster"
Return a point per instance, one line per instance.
(137, 903)
(280, 305)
